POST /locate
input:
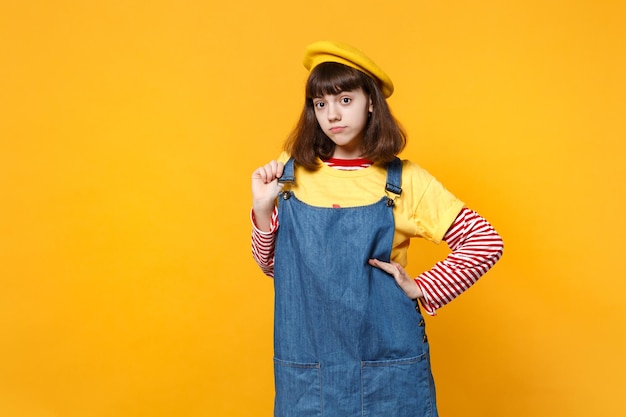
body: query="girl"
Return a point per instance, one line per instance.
(332, 220)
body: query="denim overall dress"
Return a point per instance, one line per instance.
(348, 342)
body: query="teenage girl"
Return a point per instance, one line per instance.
(332, 220)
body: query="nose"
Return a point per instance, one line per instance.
(333, 112)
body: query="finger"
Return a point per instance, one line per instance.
(280, 167)
(385, 266)
(400, 269)
(397, 265)
(273, 170)
(260, 174)
(266, 173)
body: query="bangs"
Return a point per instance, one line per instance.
(333, 78)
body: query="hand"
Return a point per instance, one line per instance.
(408, 284)
(265, 188)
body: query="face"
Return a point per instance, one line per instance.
(343, 118)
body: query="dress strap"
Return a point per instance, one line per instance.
(288, 175)
(394, 177)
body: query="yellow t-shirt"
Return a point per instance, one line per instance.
(425, 209)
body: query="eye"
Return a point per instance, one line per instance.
(319, 104)
(346, 100)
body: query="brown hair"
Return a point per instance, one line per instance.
(383, 138)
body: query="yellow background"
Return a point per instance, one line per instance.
(128, 133)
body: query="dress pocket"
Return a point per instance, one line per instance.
(399, 388)
(298, 389)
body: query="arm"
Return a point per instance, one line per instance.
(265, 188)
(263, 244)
(264, 218)
(476, 247)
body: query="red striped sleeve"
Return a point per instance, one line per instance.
(476, 247)
(263, 244)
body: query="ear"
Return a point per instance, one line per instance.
(371, 108)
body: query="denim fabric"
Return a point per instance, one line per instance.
(348, 342)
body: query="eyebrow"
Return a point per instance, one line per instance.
(331, 94)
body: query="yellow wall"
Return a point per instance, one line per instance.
(128, 133)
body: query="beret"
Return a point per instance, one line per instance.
(329, 51)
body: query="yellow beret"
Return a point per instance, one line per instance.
(327, 51)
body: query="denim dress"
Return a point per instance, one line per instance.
(348, 342)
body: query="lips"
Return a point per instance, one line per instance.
(337, 129)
